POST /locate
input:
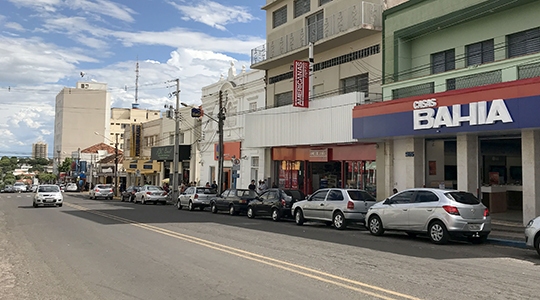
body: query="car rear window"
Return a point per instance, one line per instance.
(295, 194)
(246, 193)
(360, 195)
(154, 188)
(206, 191)
(101, 187)
(463, 197)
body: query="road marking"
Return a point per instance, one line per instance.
(349, 283)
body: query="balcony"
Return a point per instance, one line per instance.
(356, 22)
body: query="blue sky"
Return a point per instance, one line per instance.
(46, 44)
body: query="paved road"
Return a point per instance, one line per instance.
(91, 249)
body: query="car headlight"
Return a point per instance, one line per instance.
(531, 222)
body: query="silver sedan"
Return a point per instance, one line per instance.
(336, 207)
(441, 214)
(532, 234)
(151, 193)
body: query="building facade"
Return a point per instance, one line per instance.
(460, 94)
(122, 117)
(39, 150)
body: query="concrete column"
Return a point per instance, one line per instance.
(385, 169)
(409, 162)
(530, 160)
(467, 163)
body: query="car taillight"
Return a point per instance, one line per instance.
(196, 196)
(149, 193)
(111, 190)
(164, 194)
(451, 210)
(283, 203)
(486, 212)
(96, 190)
(350, 205)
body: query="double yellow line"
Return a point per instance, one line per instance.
(343, 282)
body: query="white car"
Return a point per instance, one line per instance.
(72, 187)
(48, 195)
(19, 187)
(532, 234)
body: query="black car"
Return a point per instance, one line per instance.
(276, 203)
(233, 200)
(129, 193)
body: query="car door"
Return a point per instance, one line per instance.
(258, 205)
(185, 196)
(270, 201)
(396, 210)
(421, 209)
(314, 207)
(221, 200)
(334, 200)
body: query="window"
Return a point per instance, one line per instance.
(279, 17)
(425, 196)
(301, 7)
(315, 27)
(463, 197)
(171, 139)
(283, 99)
(403, 197)
(335, 195)
(323, 2)
(525, 42)
(357, 83)
(255, 161)
(319, 196)
(253, 106)
(443, 61)
(480, 53)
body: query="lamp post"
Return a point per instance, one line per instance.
(115, 161)
(177, 118)
(221, 117)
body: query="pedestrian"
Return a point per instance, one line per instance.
(395, 191)
(262, 186)
(208, 184)
(252, 185)
(214, 185)
(274, 185)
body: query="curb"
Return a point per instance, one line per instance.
(510, 243)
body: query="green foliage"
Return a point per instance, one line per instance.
(46, 178)
(36, 168)
(9, 179)
(38, 162)
(66, 165)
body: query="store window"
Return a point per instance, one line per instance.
(480, 53)
(443, 61)
(362, 175)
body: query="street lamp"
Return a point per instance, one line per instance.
(176, 116)
(115, 161)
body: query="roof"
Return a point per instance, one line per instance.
(101, 146)
(110, 159)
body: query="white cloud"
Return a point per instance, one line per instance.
(39, 5)
(214, 14)
(14, 26)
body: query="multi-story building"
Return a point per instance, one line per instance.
(79, 112)
(461, 99)
(39, 150)
(122, 117)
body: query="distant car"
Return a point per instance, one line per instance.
(151, 193)
(441, 214)
(19, 187)
(334, 206)
(48, 195)
(8, 189)
(129, 193)
(234, 201)
(196, 197)
(101, 191)
(275, 203)
(72, 187)
(532, 234)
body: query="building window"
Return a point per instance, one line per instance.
(525, 42)
(123, 126)
(357, 83)
(479, 53)
(121, 146)
(171, 139)
(323, 2)
(255, 161)
(443, 61)
(315, 27)
(279, 17)
(252, 106)
(283, 99)
(301, 7)
(181, 138)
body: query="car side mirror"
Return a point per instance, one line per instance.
(388, 201)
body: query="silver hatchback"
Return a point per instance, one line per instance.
(441, 214)
(152, 194)
(194, 197)
(334, 206)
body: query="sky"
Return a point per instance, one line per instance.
(46, 44)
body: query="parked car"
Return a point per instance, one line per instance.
(441, 214)
(196, 197)
(151, 193)
(276, 203)
(8, 189)
(129, 193)
(234, 201)
(72, 187)
(19, 187)
(104, 191)
(532, 234)
(48, 195)
(334, 206)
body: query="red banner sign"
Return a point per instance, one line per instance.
(301, 84)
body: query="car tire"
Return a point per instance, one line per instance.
(375, 225)
(190, 206)
(213, 208)
(35, 205)
(276, 215)
(122, 199)
(179, 205)
(338, 219)
(59, 205)
(110, 198)
(232, 211)
(478, 239)
(299, 217)
(143, 201)
(250, 213)
(537, 244)
(437, 233)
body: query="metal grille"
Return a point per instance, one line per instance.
(525, 42)
(323, 2)
(301, 7)
(529, 71)
(283, 99)
(355, 84)
(279, 17)
(443, 61)
(415, 90)
(480, 53)
(478, 79)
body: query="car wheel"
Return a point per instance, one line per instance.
(190, 206)
(537, 244)
(250, 213)
(411, 234)
(232, 212)
(339, 221)
(275, 215)
(123, 199)
(299, 217)
(179, 204)
(143, 201)
(35, 205)
(437, 233)
(60, 205)
(477, 240)
(110, 198)
(213, 208)
(375, 225)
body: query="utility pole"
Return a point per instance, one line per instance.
(221, 117)
(176, 142)
(116, 166)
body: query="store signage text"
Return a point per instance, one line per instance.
(426, 116)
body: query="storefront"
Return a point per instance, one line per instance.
(484, 140)
(311, 168)
(164, 157)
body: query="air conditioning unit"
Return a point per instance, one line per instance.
(84, 85)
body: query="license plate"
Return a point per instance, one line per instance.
(475, 227)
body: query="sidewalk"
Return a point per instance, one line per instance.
(507, 233)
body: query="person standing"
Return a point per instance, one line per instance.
(214, 185)
(252, 185)
(262, 186)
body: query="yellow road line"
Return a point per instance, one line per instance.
(257, 257)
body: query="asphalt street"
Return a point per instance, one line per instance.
(103, 249)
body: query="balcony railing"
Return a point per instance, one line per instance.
(366, 15)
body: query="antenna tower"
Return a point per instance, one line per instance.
(136, 104)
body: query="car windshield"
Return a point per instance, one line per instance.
(19, 183)
(154, 188)
(49, 189)
(360, 195)
(462, 197)
(206, 191)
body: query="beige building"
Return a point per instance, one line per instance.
(39, 150)
(122, 117)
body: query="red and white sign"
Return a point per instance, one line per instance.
(301, 84)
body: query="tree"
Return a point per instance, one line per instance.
(36, 168)
(9, 179)
(66, 165)
(46, 178)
